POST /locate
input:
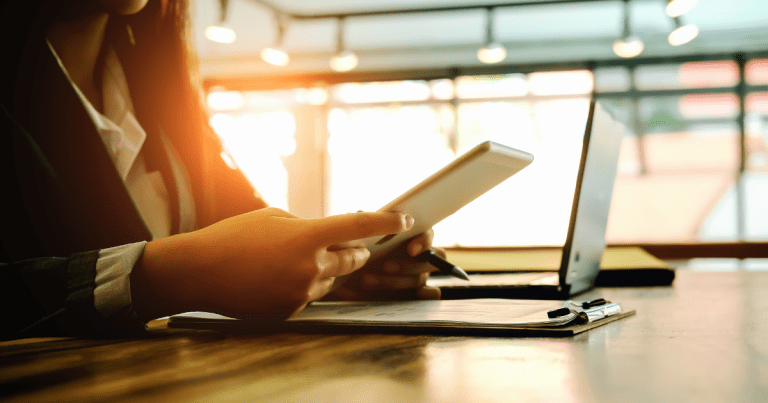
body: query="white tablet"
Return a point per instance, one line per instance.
(451, 188)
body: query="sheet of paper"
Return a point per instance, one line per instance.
(475, 312)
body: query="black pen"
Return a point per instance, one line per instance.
(443, 265)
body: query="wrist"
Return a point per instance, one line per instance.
(163, 280)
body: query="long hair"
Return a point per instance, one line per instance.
(153, 47)
(160, 67)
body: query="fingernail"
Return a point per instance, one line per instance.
(416, 249)
(390, 267)
(409, 221)
(370, 281)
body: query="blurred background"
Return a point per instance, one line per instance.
(341, 105)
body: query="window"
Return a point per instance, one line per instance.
(258, 129)
(682, 176)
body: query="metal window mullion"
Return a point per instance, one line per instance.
(636, 121)
(740, 191)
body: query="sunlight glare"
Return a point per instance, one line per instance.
(225, 100)
(561, 82)
(257, 142)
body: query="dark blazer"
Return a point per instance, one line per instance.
(63, 201)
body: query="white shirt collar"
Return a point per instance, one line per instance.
(118, 128)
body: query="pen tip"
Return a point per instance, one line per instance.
(458, 272)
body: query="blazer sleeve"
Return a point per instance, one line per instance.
(40, 295)
(55, 297)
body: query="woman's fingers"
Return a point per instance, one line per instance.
(319, 289)
(348, 227)
(384, 282)
(406, 267)
(428, 292)
(335, 263)
(421, 243)
(358, 243)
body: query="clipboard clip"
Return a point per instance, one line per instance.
(587, 311)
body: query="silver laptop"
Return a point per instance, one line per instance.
(585, 240)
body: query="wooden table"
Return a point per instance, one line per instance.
(704, 339)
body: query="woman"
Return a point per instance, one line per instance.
(110, 165)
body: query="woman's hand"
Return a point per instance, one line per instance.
(398, 276)
(266, 263)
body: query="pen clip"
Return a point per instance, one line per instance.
(600, 312)
(593, 310)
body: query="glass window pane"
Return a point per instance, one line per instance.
(225, 100)
(686, 163)
(257, 141)
(221, 100)
(612, 79)
(509, 85)
(755, 180)
(271, 100)
(381, 92)
(756, 122)
(378, 153)
(696, 150)
(561, 82)
(756, 72)
(687, 75)
(621, 109)
(533, 207)
(442, 89)
(629, 156)
(755, 212)
(757, 102)
(664, 114)
(509, 123)
(672, 207)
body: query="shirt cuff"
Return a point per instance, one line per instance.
(112, 295)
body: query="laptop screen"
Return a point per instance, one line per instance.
(585, 241)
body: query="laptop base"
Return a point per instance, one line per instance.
(526, 285)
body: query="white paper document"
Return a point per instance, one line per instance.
(493, 313)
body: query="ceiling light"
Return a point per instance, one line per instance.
(676, 8)
(493, 52)
(682, 34)
(220, 33)
(628, 46)
(344, 60)
(276, 55)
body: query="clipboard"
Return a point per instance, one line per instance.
(484, 317)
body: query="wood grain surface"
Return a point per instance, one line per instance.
(703, 339)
